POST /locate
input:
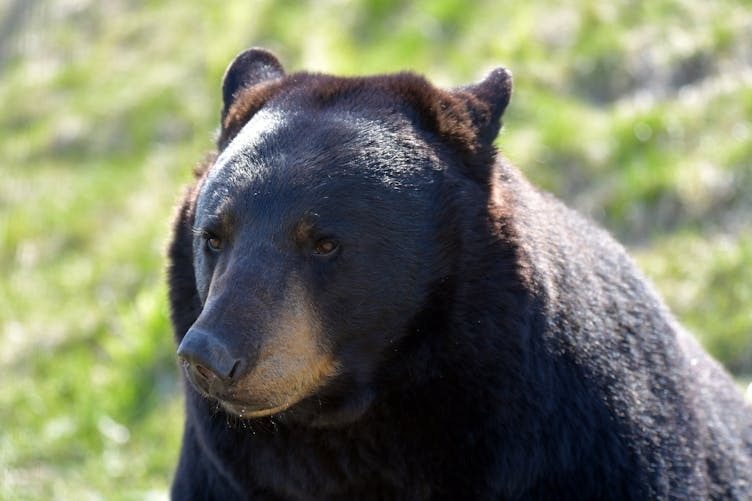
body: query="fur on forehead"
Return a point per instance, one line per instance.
(457, 117)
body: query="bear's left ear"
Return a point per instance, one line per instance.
(249, 68)
(486, 102)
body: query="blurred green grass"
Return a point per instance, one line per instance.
(637, 113)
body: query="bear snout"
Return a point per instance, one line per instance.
(208, 361)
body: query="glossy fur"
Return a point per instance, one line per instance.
(486, 342)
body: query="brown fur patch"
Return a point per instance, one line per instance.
(246, 104)
(449, 114)
(503, 206)
(443, 112)
(202, 166)
(292, 362)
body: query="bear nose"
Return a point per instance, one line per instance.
(207, 356)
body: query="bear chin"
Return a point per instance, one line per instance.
(323, 409)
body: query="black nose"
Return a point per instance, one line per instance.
(207, 356)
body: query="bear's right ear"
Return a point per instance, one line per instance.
(249, 68)
(490, 98)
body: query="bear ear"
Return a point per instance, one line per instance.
(487, 101)
(249, 68)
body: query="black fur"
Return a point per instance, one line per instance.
(492, 344)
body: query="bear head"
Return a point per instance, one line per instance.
(323, 228)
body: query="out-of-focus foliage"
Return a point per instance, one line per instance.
(637, 113)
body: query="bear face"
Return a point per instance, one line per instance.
(296, 220)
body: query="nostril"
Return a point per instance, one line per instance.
(203, 371)
(233, 370)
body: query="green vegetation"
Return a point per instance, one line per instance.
(636, 113)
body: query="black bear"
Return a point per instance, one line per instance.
(370, 303)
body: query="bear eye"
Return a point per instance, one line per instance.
(213, 243)
(325, 247)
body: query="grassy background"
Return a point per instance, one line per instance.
(637, 113)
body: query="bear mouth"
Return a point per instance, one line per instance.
(239, 408)
(245, 410)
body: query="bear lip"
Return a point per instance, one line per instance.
(244, 410)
